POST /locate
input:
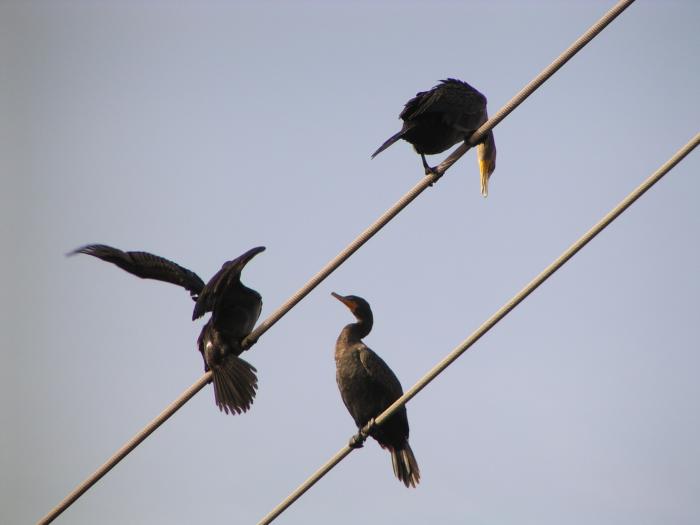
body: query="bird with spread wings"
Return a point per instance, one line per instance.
(235, 309)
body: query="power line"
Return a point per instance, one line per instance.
(367, 234)
(536, 82)
(488, 324)
(126, 449)
(428, 180)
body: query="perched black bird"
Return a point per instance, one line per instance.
(235, 309)
(368, 387)
(438, 119)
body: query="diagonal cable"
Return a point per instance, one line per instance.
(488, 324)
(124, 451)
(429, 179)
(263, 327)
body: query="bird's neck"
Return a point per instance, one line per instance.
(354, 332)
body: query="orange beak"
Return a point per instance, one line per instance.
(347, 302)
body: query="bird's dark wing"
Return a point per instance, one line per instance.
(383, 389)
(225, 290)
(413, 107)
(460, 103)
(147, 266)
(381, 376)
(213, 292)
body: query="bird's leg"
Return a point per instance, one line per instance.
(429, 170)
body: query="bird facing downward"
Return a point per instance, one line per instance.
(235, 309)
(438, 119)
(368, 387)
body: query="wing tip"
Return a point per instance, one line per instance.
(87, 249)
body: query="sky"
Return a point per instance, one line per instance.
(197, 130)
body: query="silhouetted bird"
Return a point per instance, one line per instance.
(368, 387)
(438, 119)
(235, 309)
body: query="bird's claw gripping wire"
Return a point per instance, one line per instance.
(248, 341)
(358, 440)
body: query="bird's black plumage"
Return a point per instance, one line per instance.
(147, 266)
(235, 309)
(368, 387)
(437, 119)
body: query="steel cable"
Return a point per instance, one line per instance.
(429, 179)
(488, 324)
(367, 234)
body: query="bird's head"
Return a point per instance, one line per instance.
(240, 261)
(486, 154)
(357, 305)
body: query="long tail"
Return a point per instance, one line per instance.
(486, 154)
(405, 466)
(235, 384)
(389, 142)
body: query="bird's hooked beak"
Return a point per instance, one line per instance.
(244, 259)
(347, 302)
(486, 154)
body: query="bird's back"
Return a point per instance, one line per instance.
(450, 97)
(438, 119)
(238, 313)
(235, 309)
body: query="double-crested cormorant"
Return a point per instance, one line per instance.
(235, 309)
(438, 119)
(368, 387)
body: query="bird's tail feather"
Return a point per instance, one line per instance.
(235, 384)
(405, 466)
(389, 142)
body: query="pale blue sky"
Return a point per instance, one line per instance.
(198, 130)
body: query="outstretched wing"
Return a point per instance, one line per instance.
(147, 266)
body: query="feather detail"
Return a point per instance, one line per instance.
(235, 384)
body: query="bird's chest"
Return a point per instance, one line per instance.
(354, 382)
(349, 366)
